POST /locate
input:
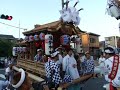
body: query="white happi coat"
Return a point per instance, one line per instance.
(108, 68)
(60, 59)
(68, 62)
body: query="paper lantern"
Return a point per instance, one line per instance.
(14, 51)
(14, 48)
(18, 49)
(114, 12)
(36, 37)
(21, 49)
(42, 36)
(79, 45)
(27, 38)
(31, 38)
(65, 39)
(113, 9)
(48, 44)
(24, 49)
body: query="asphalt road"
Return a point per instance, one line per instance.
(94, 84)
(2, 72)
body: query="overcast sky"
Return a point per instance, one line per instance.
(31, 12)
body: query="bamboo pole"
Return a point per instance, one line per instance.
(34, 77)
(75, 81)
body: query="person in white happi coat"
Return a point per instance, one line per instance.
(99, 69)
(110, 76)
(70, 61)
(4, 83)
(59, 49)
(9, 72)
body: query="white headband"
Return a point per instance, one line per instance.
(21, 79)
(108, 51)
(54, 54)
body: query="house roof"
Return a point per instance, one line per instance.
(22, 43)
(93, 34)
(53, 26)
(10, 37)
(49, 26)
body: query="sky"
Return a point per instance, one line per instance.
(31, 12)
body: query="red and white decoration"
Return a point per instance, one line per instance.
(42, 36)
(31, 38)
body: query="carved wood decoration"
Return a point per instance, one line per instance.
(67, 28)
(118, 2)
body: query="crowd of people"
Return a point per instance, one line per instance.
(67, 69)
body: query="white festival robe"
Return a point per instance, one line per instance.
(69, 62)
(107, 70)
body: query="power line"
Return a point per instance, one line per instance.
(12, 26)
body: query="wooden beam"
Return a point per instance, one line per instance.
(75, 81)
(32, 76)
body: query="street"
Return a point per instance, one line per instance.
(2, 72)
(94, 84)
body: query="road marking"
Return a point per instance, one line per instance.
(2, 76)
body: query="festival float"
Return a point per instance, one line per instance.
(48, 37)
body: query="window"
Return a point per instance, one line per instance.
(92, 40)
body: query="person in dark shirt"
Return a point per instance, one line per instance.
(87, 64)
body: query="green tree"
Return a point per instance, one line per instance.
(6, 48)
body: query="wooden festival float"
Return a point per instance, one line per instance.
(47, 37)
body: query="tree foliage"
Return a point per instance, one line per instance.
(6, 48)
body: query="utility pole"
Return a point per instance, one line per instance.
(119, 27)
(19, 29)
(115, 41)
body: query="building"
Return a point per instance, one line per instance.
(90, 42)
(102, 45)
(112, 41)
(7, 37)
